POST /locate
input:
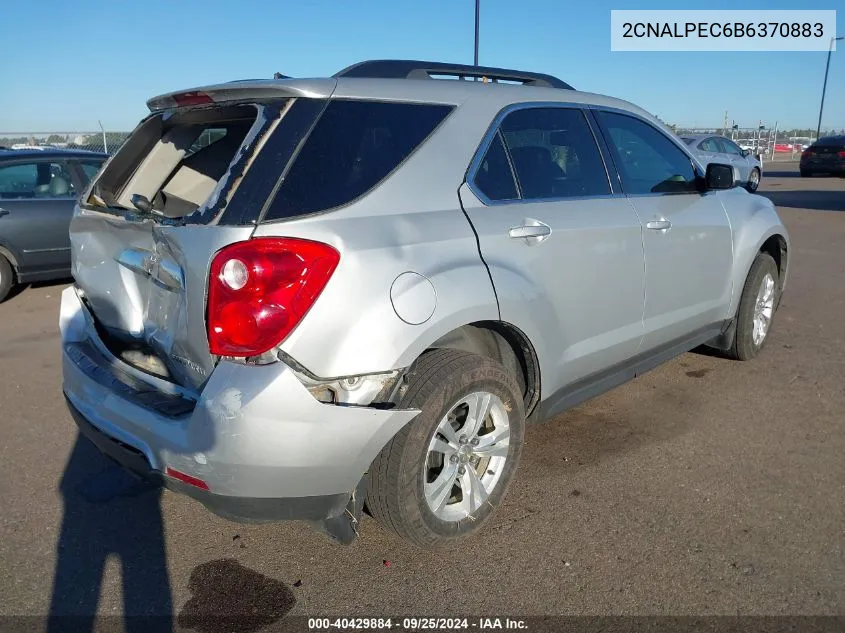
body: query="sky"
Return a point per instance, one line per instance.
(69, 64)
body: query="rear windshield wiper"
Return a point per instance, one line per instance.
(143, 204)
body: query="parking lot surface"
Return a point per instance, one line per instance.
(704, 487)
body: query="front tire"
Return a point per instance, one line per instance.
(760, 298)
(443, 476)
(7, 278)
(753, 180)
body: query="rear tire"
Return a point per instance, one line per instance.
(805, 173)
(7, 278)
(424, 485)
(760, 298)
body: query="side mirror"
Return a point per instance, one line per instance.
(719, 176)
(746, 153)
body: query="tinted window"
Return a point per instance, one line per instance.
(554, 153)
(36, 180)
(494, 177)
(353, 147)
(648, 161)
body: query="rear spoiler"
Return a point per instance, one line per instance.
(245, 90)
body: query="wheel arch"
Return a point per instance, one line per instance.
(757, 228)
(777, 246)
(13, 260)
(504, 343)
(9, 256)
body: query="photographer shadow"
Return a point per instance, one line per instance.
(109, 513)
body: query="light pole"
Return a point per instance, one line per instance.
(477, 9)
(824, 86)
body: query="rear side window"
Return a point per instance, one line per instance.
(352, 148)
(554, 153)
(494, 177)
(89, 170)
(711, 145)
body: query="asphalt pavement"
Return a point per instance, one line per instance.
(706, 487)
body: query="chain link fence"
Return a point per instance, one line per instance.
(108, 142)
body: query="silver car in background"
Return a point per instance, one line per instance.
(295, 298)
(710, 148)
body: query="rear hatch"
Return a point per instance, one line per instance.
(191, 179)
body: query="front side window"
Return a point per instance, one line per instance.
(352, 148)
(729, 147)
(647, 160)
(36, 180)
(554, 153)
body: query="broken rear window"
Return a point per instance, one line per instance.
(175, 161)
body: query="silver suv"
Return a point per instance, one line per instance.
(308, 299)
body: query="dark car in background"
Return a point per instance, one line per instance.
(825, 156)
(38, 189)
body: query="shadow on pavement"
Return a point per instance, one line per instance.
(19, 289)
(813, 200)
(792, 173)
(109, 514)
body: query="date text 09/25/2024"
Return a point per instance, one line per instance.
(415, 624)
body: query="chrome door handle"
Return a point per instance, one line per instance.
(532, 231)
(529, 231)
(659, 225)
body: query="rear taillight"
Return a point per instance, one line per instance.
(192, 98)
(259, 290)
(806, 153)
(841, 154)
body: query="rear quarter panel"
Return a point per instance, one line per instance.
(412, 222)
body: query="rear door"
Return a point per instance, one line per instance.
(688, 240)
(36, 204)
(564, 250)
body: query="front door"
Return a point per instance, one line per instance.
(36, 205)
(733, 154)
(687, 238)
(564, 252)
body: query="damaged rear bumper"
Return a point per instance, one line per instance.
(242, 509)
(264, 447)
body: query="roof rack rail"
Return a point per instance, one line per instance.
(412, 69)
